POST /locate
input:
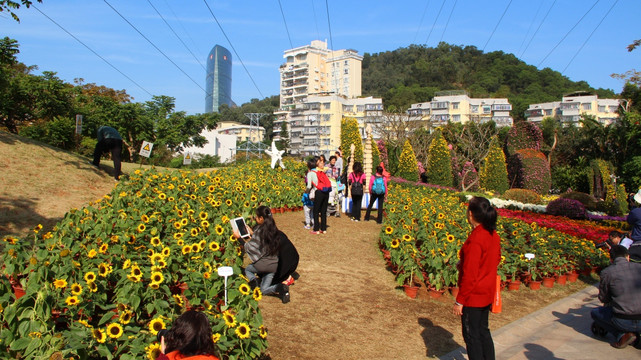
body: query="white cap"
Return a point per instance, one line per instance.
(637, 197)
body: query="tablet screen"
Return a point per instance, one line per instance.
(242, 228)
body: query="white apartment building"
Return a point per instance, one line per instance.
(458, 107)
(572, 106)
(314, 69)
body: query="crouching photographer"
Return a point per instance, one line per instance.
(188, 338)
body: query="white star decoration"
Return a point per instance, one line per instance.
(277, 155)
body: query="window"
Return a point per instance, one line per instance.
(601, 108)
(346, 71)
(502, 107)
(474, 108)
(548, 112)
(456, 118)
(326, 106)
(346, 62)
(360, 108)
(587, 106)
(455, 105)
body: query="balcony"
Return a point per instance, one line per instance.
(502, 107)
(440, 104)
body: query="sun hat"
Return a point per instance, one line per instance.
(637, 197)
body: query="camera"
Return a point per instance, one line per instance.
(161, 333)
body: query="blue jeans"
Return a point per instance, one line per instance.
(266, 286)
(603, 316)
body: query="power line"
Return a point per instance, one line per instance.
(420, 23)
(448, 21)
(497, 25)
(286, 29)
(537, 29)
(592, 33)
(568, 33)
(178, 37)
(156, 47)
(233, 48)
(530, 27)
(181, 25)
(437, 15)
(90, 49)
(329, 24)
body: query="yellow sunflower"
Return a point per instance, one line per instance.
(72, 301)
(76, 289)
(257, 294)
(155, 257)
(103, 248)
(206, 274)
(155, 241)
(184, 221)
(219, 230)
(154, 285)
(262, 332)
(178, 299)
(389, 230)
(407, 237)
(125, 317)
(92, 287)
(135, 270)
(114, 330)
(203, 215)
(60, 283)
(194, 232)
(242, 331)
(214, 246)
(450, 237)
(186, 249)
(204, 224)
(144, 218)
(166, 251)
(157, 277)
(141, 227)
(153, 351)
(195, 248)
(244, 289)
(92, 253)
(156, 325)
(99, 335)
(215, 337)
(228, 202)
(104, 269)
(230, 319)
(177, 225)
(395, 243)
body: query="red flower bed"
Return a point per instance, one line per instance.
(581, 228)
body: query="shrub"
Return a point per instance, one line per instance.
(493, 172)
(522, 195)
(529, 169)
(570, 208)
(523, 135)
(376, 156)
(439, 162)
(587, 200)
(350, 134)
(407, 166)
(604, 187)
(612, 208)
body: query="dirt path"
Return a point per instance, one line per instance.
(345, 306)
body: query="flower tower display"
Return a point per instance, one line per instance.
(382, 150)
(367, 158)
(493, 172)
(350, 134)
(523, 135)
(529, 169)
(439, 162)
(407, 165)
(603, 185)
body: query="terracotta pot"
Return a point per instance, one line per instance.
(514, 285)
(411, 290)
(436, 294)
(562, 279)
(534, 285)
(573, 276)
(548, 282)
(454, 291)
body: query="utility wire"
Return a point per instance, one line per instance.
(90, 49)
(183, 27)
(537, 29)
(437, 15)
(286, 28)
(568, 33)
(592, 33)
(448, 21)
(156, 47)
(178, 37)
(497, 25)
(530, 27)
(329, 25)
(420, 23)
(233, 48)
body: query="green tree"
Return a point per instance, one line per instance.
(350, 134)
(283, 143)
(493, 171)
(439, 162)
(376, 156)
(9, 6)
(407, 165)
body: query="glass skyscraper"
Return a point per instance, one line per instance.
(218, 84)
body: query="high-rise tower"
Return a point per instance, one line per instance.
(218, 84)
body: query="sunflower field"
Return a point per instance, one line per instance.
(426, 227)
(109, 276)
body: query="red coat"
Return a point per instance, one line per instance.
(480, 257)
(175, 355)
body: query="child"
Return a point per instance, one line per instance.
(308, 206)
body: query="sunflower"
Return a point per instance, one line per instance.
(254, 198)
(389, 230)
(125, 317)
(211, 188)
(195, 248)
(407, 237)
(194, 232)
(103, 248)
(154, 285)
(206, 274)
(257, 294)
(155, 257)
(99, 335)
(262, 332)
(203, 215)
(214, 246)
(157, 277)
(156, 325)
(184, 221)
(135, 270)
(244, 289)
(178, 299)
(204, 224)
(166, 251)
(141, 227)
(72, 301)
(224, 219)
(186, 249)
(219, 230)
(180, 242)
(155, 241)
(450, 237)
(230, 319)
(215, 337)
(395, 243)
(60, 283)
(242, 331)
(114, 330)
(202, 244)
(228, 202)
(162, 196)
(76, 289)
(178, 236)
(104, 269)
(153, 351)
(177, 225)
(161, 264)
(92, 287)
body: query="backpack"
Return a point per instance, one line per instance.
(357, 187)
(323, 182)
(379, 186)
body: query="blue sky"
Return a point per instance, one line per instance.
(258, 34)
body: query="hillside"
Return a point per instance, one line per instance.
(40, 183)
(413, 74)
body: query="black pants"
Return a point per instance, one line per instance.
(115, 147)
(356, 206)
(321, 199)
(372, 200)
(476, 333)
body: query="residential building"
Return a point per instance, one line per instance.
(458, 107)
(224, 140)
(314, 126)
(218, 79)
(572, 106)
(315, 69)
(243, 132)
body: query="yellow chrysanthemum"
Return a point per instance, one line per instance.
(114, 330)
(60, 283)
(76, 289)
(156, 325)
(244, 289)
(243, 331)
(99, 335)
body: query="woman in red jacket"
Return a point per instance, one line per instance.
(479, 259)
(189, 339)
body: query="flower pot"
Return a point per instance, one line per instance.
(573, 276)
(436, 294)
(562, 279)
(411, 290)
(514, 285)
(534, 285)
(548, 282)
(454, 291)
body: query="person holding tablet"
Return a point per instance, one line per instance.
(262, 247)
